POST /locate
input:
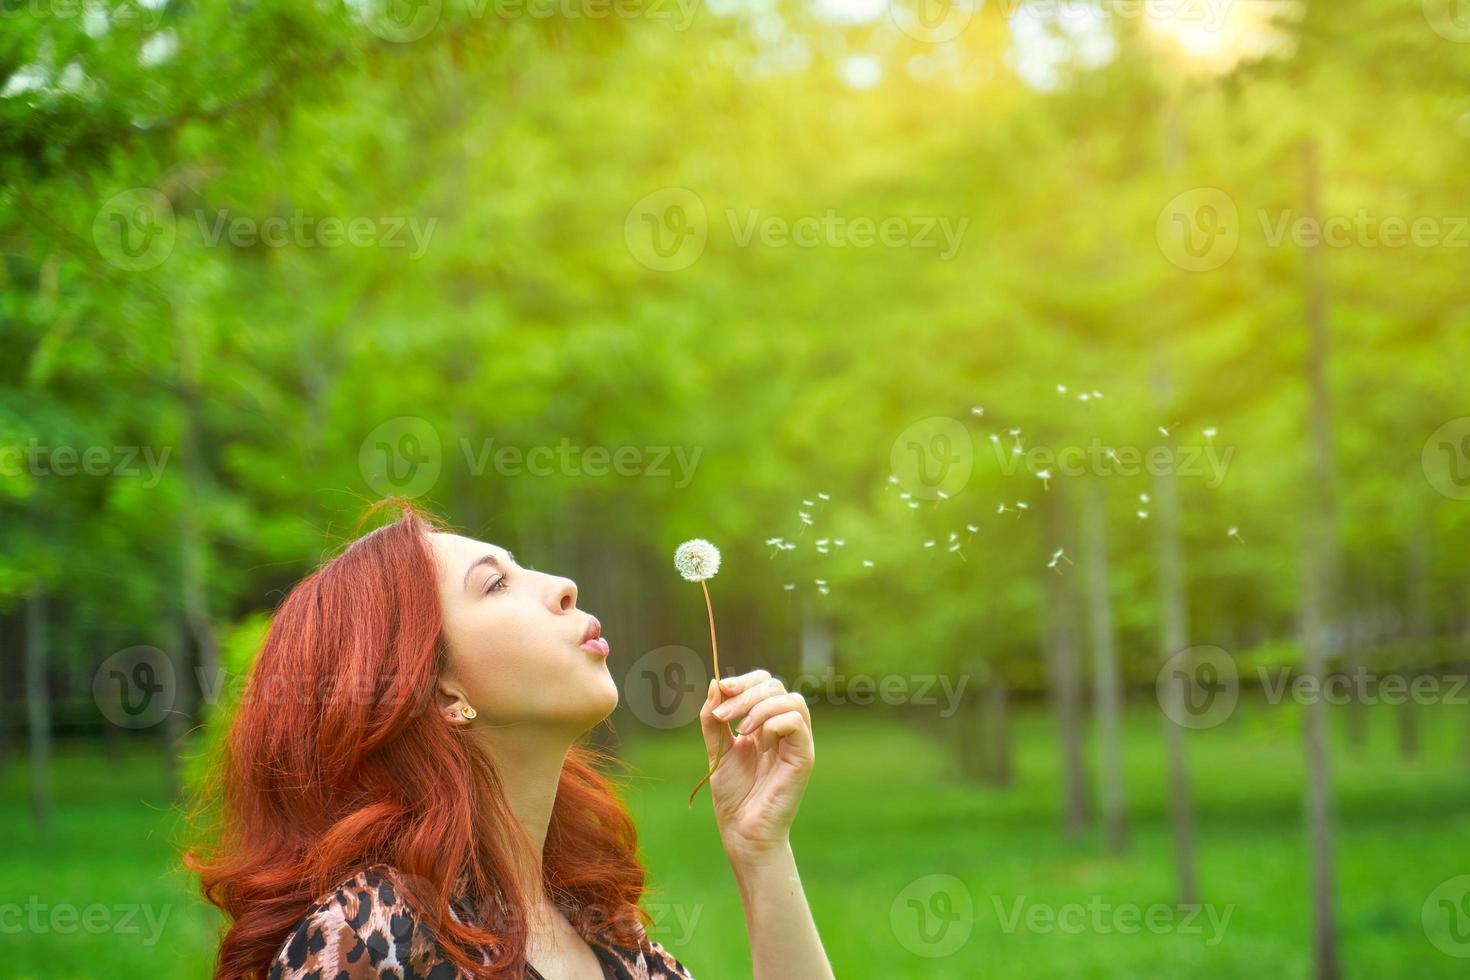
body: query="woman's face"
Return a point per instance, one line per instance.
(515, 639)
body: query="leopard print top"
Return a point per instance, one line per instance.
(365, 930)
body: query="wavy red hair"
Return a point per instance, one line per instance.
(336, 760)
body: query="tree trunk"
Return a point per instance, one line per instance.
(1000, 771)
(38, 711)
(1106, 682)
(1064, 676)
(1174, 638)
(193, 547)
(1321, 565)
(1418, 630)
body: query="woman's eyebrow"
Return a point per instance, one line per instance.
(490, 560)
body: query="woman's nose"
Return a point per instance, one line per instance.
(565, 596)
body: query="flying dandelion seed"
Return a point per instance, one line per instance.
(1002, 508)
(1022, 505)
(819, 581)
(892, 482)
(788, 546)
(1234, 532)
(822, 589)
(928, 544)
(822, 542)
(994, 438)
(1143, 515)
(1143, 498)
(1112, 454)
(824, 496)
(1045, 477)
(1061, 389)
(1163, 432)
(789, 586)
(1210, 433)
(978, 411)
(1058, 556)
(972, 528)
(839, 542)
(954, 549)
(1014, 432)
(808, 503)
(940, 497)
(1016, 450)
(867, 563)
(1084, 397)
(954, 535)
(913, 505)
(1096, 393)
(905, 496)
(775, 545)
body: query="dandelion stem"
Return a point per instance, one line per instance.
(715, 651)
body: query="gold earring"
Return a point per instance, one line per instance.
(468, 712)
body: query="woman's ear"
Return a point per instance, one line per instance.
(454, 705)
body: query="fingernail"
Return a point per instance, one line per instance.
(728, 683)
(722, 712)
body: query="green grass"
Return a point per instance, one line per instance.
(884, 811)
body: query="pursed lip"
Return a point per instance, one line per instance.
(592, 639)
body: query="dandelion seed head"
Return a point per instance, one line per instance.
(697, 560)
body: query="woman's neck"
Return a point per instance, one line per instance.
(529, 765)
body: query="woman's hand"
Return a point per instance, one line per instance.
(759, 784)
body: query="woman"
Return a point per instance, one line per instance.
(404, 793)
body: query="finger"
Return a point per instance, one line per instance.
(745, 700)
(770, 708)
(730, 686)
(791, 727)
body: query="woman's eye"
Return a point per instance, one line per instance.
(497, 584)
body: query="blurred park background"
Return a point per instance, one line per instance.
(1076, 391)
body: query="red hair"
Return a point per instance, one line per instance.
(337, 760)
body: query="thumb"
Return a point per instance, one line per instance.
(714, 730)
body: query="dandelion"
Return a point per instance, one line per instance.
(1234, 532)
(1045, 477)
(698, 561)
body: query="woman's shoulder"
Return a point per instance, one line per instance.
(362, 928)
